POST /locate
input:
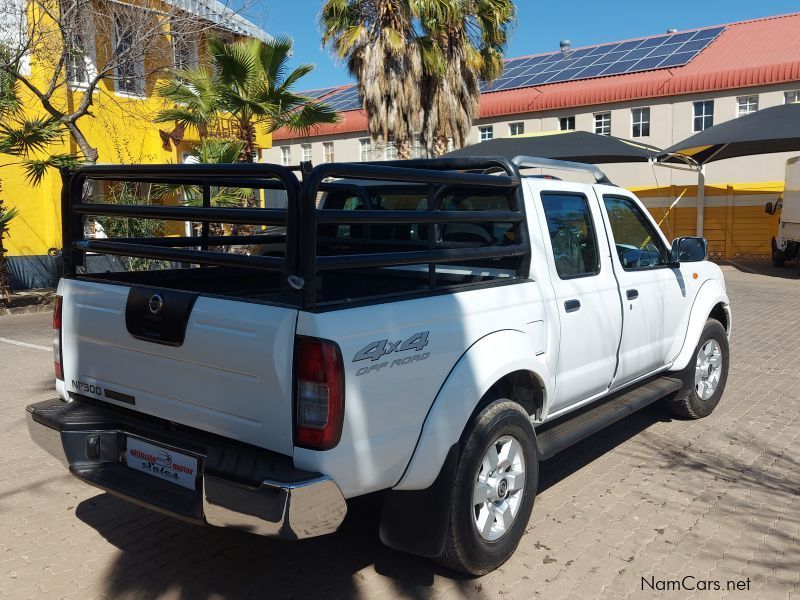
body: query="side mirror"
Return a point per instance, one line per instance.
(769, 208)
(689, 249)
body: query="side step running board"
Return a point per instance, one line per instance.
(552, 438)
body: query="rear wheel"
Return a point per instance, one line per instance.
(495, 486)
(778, 256)
(704, 378)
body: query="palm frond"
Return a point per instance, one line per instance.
(35, 169)
(6, 215)
(22, 136)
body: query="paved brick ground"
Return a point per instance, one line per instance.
(717, 499)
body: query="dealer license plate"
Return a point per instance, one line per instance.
(162, 463)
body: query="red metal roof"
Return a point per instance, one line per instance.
(749, 53)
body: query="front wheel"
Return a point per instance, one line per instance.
(704, 378)
(492, 499)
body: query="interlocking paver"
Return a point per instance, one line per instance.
(651, 496)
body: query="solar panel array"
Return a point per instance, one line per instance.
(316, 94)
(345, 99)
(660, 52)
(609, 59)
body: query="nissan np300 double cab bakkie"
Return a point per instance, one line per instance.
(427, 329)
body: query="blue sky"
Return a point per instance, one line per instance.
(540, 26)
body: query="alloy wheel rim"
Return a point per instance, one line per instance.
(708, 369)
(498, 488)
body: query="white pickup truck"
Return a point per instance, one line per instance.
(429, 330)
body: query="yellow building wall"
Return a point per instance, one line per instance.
(734, 221)
(121, 130)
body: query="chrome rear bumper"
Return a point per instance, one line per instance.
(231, 488)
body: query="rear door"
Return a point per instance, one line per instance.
(223, 366)
(654, 295)
(586, 292)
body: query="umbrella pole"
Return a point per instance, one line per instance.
(701, 199)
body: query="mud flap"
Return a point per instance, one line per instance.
(416, 521)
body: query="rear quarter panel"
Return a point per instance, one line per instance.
(388, 399)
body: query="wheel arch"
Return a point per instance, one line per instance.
(501, 364)
(711, 302)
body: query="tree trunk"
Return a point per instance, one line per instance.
(404, 148)
(5, 283)
(247, 134)
(90, 154)
(439, 146)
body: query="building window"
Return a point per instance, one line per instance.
(516, 128)
(390, 151)
(366, 149)
(602, 123)
(703, 115)
(79, 50)
(487, 132)
(746, 105)
(306, 150)
(184, 47)
(640, 119)
(566, 123)
(792, 97)
(128, 56)
(328, 148)
(286, 155)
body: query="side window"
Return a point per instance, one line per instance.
(571, 234)
(638, 244)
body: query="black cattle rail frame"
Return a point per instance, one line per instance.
(301, 217)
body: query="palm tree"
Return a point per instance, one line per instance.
(470, 36)
(378, 41)
(248, 81)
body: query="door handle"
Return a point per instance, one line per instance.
(632, 294)
(572, 305)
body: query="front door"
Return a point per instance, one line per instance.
(590, 314)
(653, 294)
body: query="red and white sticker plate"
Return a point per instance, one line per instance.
(162, 463)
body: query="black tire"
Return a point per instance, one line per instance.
(687, 403)
(465, 549)
(778, 256)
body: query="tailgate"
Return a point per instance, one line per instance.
(231, 373)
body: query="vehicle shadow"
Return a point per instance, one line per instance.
(160, 555)
(790, 270)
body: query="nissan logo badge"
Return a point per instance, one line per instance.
(155, 304)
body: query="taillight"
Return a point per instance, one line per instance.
(319, 393)
(57, 338)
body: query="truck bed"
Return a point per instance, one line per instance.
(340, 288)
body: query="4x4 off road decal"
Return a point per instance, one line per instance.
(374, 351)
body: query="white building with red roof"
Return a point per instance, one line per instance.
(658, 90)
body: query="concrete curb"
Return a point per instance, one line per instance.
(29, 301)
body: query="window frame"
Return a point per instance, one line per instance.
(569, 119)
(306, 152)
(139, 75)
(602, 116)
(642, 122)
(520, 125)
(286, 156)
(653, 230)
(788, 93)
(598, 261)
(485, 129)
(365, 149)
(328, 152)
(704, 115)
(747, 105)
(186, 40)
(83, 31)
